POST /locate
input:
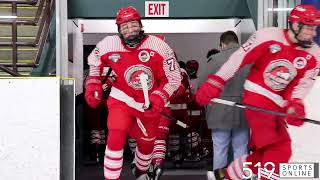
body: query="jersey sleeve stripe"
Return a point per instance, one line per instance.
(94, 71)
(304, 86)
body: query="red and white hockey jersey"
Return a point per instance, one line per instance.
(152, 57)
(281, 70)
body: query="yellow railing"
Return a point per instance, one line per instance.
(44, 10)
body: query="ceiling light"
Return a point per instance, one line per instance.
(8, 17)
(280, 9)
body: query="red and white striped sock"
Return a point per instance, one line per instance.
(95, 137)
(159, 151)
(113, 164)
(142, 160)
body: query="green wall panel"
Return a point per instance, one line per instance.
(178, 8)
(253, 8)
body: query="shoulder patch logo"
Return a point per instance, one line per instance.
(274, 48)
(114, 57)
(144, 56)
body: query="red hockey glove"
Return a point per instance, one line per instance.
(156, 106)
(93, 94)
(210, 89)
(179, 92)
(295, 107)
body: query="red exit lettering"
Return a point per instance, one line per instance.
(156, 9)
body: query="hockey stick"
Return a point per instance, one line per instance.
(105, 89)
(245, 106)
(180, 123)
(144, 83)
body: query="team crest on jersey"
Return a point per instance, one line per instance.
(114, 57)
(274, 48)
(132, 76)
(299, 62)
(144, 56)
(279, 74)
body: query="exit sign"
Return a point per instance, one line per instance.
(156, 8)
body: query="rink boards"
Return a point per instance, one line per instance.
(305, 139)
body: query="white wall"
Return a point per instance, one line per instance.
(75, 54)
(246, 28)
(163, 25)
(193, 46)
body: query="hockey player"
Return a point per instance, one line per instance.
(160, 144)
(133, 57)
(95, 121)
(159, 151)
(160, 147)
(178, 106)
(192, 67)
(285, 63)
(196, 115)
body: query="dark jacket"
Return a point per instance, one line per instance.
(221, 116)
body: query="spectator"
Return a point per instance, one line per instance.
(228, 124)
(211, 52)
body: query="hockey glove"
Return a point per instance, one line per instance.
(93, 94)
(179, 92)
(295, 107)
(210, 89)
(156, 106)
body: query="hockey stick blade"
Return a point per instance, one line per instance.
(174, 120)
(244, 106)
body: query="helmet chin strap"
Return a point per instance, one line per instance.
(133, 41)
(304, 44)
